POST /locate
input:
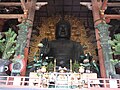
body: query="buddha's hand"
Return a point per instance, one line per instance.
(45, 49)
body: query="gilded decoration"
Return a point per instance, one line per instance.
(78, 34)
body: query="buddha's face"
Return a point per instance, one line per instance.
(63, 30)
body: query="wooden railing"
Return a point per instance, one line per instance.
(44, 81)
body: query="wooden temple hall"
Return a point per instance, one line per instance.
(60, 44)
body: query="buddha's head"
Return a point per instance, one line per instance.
(63, 30)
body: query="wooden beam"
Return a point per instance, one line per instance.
(11, 16)
(103, 8)
(113, 4)
(104, 5)
(19, 4)
(112, 16)
(23, 4)
(108, 4)
(41, 3)
(9, 4)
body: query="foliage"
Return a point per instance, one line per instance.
(75, 66)
(50, 67)
(37, 63)
(8, 44)
(115, 43)
(94, 66)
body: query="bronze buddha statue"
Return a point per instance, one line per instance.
(62, 48)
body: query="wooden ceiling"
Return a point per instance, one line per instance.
(59, 7)
(56, 7)
(74, 8)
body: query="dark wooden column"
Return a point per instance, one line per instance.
(96, 16)
(31, 4)
(31, 14)
(31, 7)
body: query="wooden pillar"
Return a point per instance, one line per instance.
(30, 16)
(31, 13)
(31, 7)
(96, 17)
(25, 58)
